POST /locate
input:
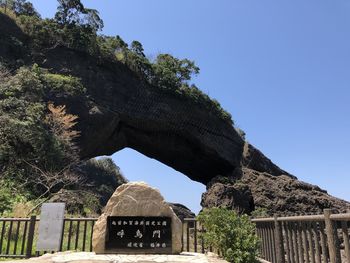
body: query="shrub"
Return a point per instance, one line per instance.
(9, 196)
(64, 84)
(260, 212)
(230, 234)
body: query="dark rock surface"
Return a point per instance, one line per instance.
(234, 196)
(256, 160)
(276, 194)
(288, 196)
(121, 111)
(182, 211)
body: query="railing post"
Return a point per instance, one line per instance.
(30, 236)
(279, 241)
(332, 239)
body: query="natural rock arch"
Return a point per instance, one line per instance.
(122, 111)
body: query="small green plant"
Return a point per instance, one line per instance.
(260, 212)
(232, 235)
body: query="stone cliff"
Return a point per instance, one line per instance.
(120, 111)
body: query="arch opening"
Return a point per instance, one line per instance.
(173, 185)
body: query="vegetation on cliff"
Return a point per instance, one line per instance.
(38, 155)
(77, 27)
(39, 159)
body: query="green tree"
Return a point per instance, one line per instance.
(137, 61)
(73, 13)
(112, 47)
(6, 4)
(171, 72)
(36, 139)
(137, 48)
(22, 7)
(92, 19)
(69, 11)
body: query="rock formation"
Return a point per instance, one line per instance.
(259, 183)
(120, 111)
(182, 211)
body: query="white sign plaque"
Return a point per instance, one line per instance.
(50, 227)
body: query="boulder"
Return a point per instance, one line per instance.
(182, 211)
(136, 199)
(237, 197)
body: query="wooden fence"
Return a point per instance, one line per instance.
(18, 236)
(297, 239)
(192, 241)
(310, 239)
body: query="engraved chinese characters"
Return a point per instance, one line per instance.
(151, 234)
(142, 220)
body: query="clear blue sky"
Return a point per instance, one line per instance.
(282, 68)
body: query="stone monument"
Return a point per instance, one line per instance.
(136, 220)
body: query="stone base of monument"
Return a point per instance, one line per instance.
(137, 220)
(90, 257)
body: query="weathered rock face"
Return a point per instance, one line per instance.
(237, 196)
(283, 195)
(136, 199)
(287, 196)
(256, 160)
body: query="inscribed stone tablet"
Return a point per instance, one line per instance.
(50, 227)
(139, 234)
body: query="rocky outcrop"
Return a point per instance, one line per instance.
(182, 211)
(283, 195)
(136, 199)
(287, 196)
(254, 159)
(233, 196)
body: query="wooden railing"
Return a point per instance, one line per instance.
(309, 239)
(297, 239)
(18, 236)
(192, 241)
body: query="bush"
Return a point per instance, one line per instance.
(230, 234)
(9, 196)
(64, 84)
(260, 212)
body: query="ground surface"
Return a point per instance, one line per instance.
(90, 257)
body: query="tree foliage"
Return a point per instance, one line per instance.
(76, 26)
(23, 7)
(68, 12)
(233, 235)
(171, 72)
(73, 13)
(19, 7)
(36, 138)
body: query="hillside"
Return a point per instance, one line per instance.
(120, 99)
